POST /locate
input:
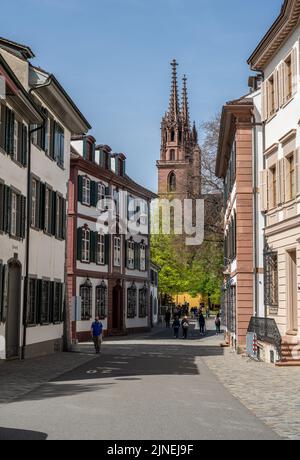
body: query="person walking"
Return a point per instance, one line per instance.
(202, 324)
(97, 333)
(185, 327)
(176, 327)
(218, 324)
(168, 319)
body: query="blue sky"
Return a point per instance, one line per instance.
(113, 57)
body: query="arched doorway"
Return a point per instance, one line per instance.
(117, 316)
(13, 319)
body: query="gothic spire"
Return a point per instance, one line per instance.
(185, 104)
(195, 133)
(174, 100)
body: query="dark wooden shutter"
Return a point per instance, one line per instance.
(11, 133)
(42, 199)
(53, 214)
(64, 219)
(126, 244)
(7, 209)
(94, 193)
(85, 149)
(107, 249)
(79, 244)
(1, 207)
(20, 143)
(80, 189)
(1, 289)
(22, 217)
(2, 125)
(51, 137)
(93, 245)
(39, 300)
(24, 149)
(137, 247)
(51, 302)
(4, 295)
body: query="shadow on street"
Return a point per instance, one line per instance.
(8, 434)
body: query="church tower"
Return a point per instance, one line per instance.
(179, 167)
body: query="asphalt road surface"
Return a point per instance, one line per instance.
(146, 388)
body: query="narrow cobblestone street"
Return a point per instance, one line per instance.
(108, 397)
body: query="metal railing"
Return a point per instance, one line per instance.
(266, 330)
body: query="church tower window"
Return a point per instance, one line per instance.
(172, 155)
(172, 183)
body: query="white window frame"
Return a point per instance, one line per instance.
(86, 235)
(100, 249)
(117, 251)
(86, 191)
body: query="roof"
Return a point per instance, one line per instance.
(276, 36)
(16, 48)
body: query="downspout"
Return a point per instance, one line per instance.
(28, 224)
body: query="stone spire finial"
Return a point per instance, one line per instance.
(185, 104)
(174, 100)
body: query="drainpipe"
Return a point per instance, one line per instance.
(28, 223)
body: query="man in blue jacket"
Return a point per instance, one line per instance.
(97, 331)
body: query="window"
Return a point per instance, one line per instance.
(172, 183)
(101, 196)
(45, 306)
(59, 144)
(14, 214)
(143, 294)
(86, 295)
(86, 191)
(289, 77)
(48, 210)
(172, 135)
(34, 203)
(131, 302)
(32, 303)
(60, 217)
(143, 257)
(130, 255)
(172, 155)
(271, 95)
(271, 279)
(101, 301)
(85, 245)
(100, 249)
(117, 251)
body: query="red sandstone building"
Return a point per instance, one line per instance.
(108, 274)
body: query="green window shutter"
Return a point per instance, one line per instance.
(107, 249)
(93, 245)
(42, 198)
(39, 298)
(85, 149)
(20, 143)
(79, 244)
(94, 194)
(7, 209)
(11, 133)
(2, 125)
(137, 256)
(80, 189)
(51, 302)
(53, 214)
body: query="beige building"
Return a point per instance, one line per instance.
(277, 57)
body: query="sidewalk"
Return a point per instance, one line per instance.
(17, 378)
(272, 394)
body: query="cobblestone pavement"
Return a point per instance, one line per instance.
(17, 378)
(272, 394)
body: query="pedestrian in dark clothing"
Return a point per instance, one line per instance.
(218, 324)
(176, 327)
(168, 319)
(202, 324)
(185, 327)
(97, 331)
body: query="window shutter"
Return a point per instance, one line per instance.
(94, 194)
(2, 125)
(64, 219)
(137, 253)
(39, 299)
(79, 244)
(22, 230)
(51, 302)
(1, 290)
(93, 242)
(281, 84)
(11, 134)
(281, 181)
(278, 184)
(24, 149)
(53, 213)
(42, 198)
(287, 180)
(3, 294)
(2, 207)
(85, 149)
(126, 245)
(264, 101)
(264, 190)
(7, 209)
(297, 170)
(107, 249)
(80, 189)
(276, 91)
(294, 71)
